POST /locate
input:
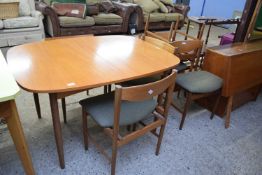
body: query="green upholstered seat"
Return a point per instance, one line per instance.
(66, 21)
(181, 67)
(199, 82)
(155, 17)
(101, 109)
(107, 19)
(170, 17)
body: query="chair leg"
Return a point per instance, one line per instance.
(160, 137)
(64, 109)
(128, 127)
(134, 127)
(105, 89)
(85, 128)
(87, 92)
(188, 100)
(109, 88)
(114, 155)
(215, 107)
(178, 93)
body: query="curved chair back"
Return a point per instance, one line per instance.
(159, 43)
(189, 50)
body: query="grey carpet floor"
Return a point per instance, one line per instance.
(202, 147)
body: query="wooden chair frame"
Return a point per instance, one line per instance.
(194, 96)
(189, 50)
(194, 45)
(132, 94)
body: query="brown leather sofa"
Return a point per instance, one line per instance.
(55, 27)
(141, 17)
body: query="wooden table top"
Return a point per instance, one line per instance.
(82, 62)
(8, 87)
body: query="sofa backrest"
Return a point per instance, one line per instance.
(26, 7)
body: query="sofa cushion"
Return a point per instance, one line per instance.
(107, 6)
(169, 17)
(66, 21)
(1, 24)
(92, 10)
(147, 5)
(70, 9)
(108, 18)
(168, 2)
(155, 17)
(21, 22)
(24, 8)
(92, 2)
(162, 6)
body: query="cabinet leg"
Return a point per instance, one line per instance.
(228, 113)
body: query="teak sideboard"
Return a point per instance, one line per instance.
(240, 66)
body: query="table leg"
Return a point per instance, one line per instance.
(16, 131)
(57, 128)
(37, 105)
(229, 108)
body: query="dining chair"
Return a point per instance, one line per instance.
(188, 51)
(196, 85)
(126, 106)
(160, 44)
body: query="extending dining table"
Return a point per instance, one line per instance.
(8, 92)
(68, 65)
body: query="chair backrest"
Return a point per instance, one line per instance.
(145, 92)
(174, 31)
(159, 43)
(151, 34)
(189, 50)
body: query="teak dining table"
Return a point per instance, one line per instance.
(68, 65)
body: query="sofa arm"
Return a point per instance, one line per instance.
(182, 9)
(37, 14)
(51, 18)
(140, 17)
(124, 10)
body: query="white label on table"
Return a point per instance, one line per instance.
(71, 84)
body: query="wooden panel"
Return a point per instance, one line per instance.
(238, 64)
(78, 63)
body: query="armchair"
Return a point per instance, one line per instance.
(27, 27)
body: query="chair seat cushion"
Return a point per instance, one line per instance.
(181, 67)
(101, 109)
(199, 82)
(21, 22)
(1, 24)
(66, 21)
(107, 19)
(170, 17)
(155, 17)
(141, 81)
